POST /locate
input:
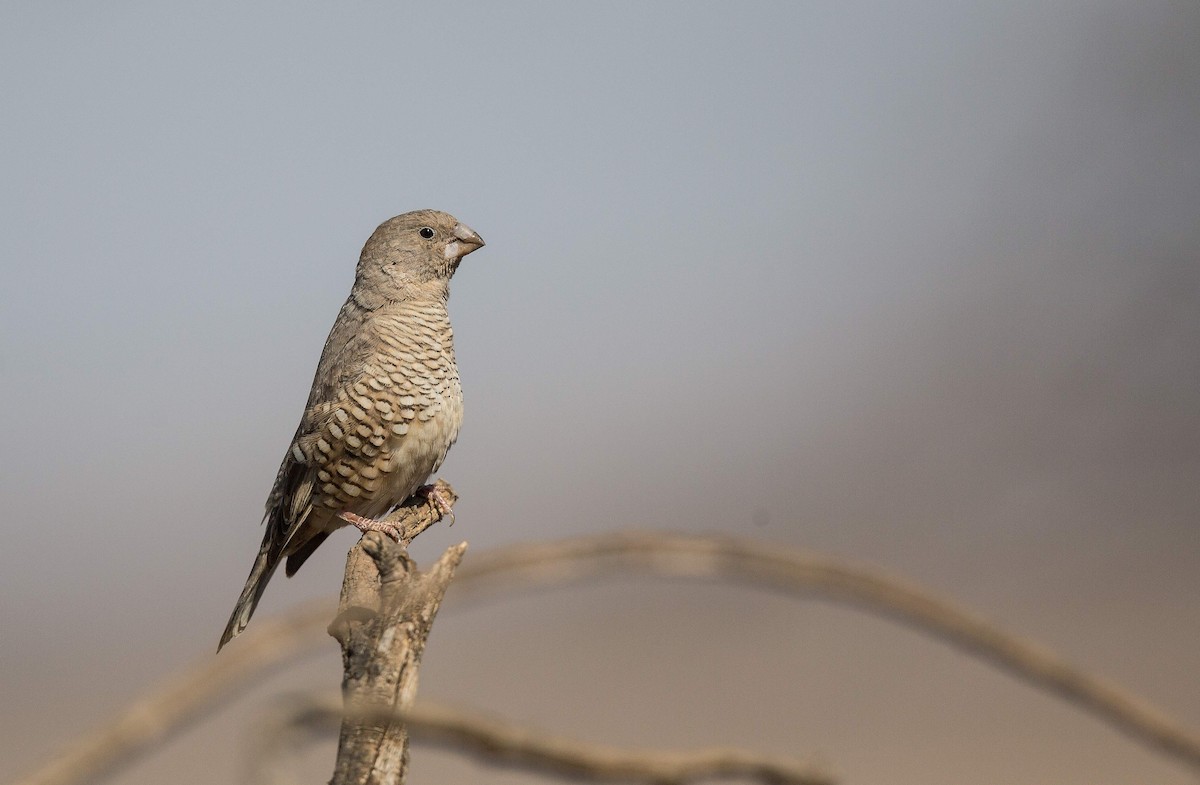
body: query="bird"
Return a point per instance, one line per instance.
(385, 406)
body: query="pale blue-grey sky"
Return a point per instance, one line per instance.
(918, 285)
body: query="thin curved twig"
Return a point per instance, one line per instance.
(793, 571)
(579, 559)
(498, 742)
(184, 699)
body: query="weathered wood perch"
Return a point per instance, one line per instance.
(384, 617)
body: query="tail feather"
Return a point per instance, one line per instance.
(300, 555)
(264, 567)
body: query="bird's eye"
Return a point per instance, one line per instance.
(425, 232)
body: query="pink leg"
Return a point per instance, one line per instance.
(365, 525)
(435, 496)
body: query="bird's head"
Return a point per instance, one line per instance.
(412, 256)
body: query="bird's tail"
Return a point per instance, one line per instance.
(264, 567)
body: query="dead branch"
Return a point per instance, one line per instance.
(386, 612)
(575, 560)
(499, 742)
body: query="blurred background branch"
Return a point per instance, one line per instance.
(503, 743)
(487, 576)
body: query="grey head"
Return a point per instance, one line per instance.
(412, 257)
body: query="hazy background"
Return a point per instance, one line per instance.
(916, 286)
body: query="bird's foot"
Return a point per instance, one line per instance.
(365, 525)
(436, 498)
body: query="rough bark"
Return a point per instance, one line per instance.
(384, 617)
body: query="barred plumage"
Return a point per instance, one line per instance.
(385, 405)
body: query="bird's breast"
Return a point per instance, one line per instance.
(394, 425)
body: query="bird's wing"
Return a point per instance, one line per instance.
(346, 351)
(290, 503)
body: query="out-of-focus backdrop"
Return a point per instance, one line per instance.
(915, 285)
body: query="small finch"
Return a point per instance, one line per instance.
(385, 404)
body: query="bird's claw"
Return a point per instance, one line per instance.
(438, 500)
(365, 525)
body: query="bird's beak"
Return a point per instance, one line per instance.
(466, 240)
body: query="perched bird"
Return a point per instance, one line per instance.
(385, 404)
